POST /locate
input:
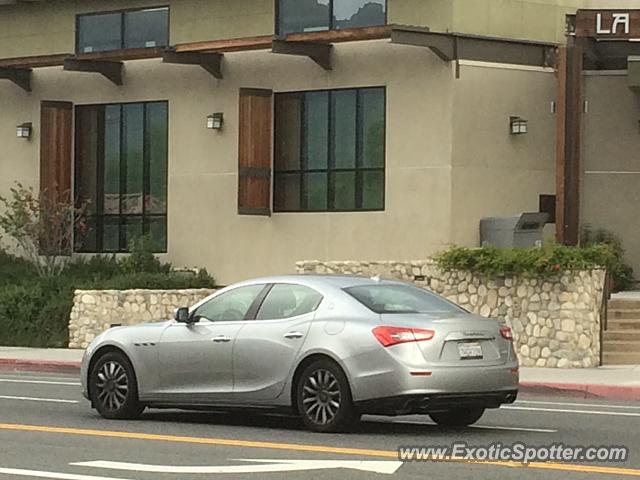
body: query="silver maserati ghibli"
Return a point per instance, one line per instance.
(326, 348)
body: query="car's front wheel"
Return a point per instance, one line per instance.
(113, 387)
(324, 398)
(457, 417)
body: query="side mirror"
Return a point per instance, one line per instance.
(182, 315)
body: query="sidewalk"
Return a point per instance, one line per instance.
(54, 360)
(611, 382)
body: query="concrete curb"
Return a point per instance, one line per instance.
(41, 366)
(596, 391)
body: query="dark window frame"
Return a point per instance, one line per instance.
(330, 169)
(122, 217)
(278, 17)
(122, 13)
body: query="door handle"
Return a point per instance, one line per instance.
(221, 339)
(293, 335)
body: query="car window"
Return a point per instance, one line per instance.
(286, 300)
(402, 299)
(231, 305)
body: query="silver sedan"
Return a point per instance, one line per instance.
(327, 348)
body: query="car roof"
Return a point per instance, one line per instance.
(330, 280)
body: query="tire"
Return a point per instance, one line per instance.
(457, 417)
(114, 388)
(324, 398)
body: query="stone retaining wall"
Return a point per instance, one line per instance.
(555, 321)
(94, 311)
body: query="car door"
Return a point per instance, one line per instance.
(195, 359)
(267, 346)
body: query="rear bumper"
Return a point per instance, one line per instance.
(416, 404)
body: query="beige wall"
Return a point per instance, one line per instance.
(610, 196)
(43, 28)
(542, 20)
(495, 173)
(204, 228)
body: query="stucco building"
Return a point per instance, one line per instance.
(245, 135)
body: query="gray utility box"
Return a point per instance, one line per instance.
(524, 230)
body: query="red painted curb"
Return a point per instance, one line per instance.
(608, 392)
(46, 366)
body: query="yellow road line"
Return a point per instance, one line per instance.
(297, 447)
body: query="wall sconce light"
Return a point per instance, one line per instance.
(24, 130)
(215, 121)
(518, 125)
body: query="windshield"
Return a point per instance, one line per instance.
(402, 299)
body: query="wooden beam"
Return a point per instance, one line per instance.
(35, 61)
(568, 143)
(442, 45)
(264, 42)
(211, 62)
(109, 69)
(343, 35)
(227, 45)
(450, 47)
(318, 52)
(561, 131)
(20, 76)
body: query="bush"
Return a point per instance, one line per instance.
(34, 315)
(141, 258)
(34, 311)
(621, 272)
(544, 261)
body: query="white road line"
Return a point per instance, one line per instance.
(486, 427)
(571, 404)
(39, 382)
(62, 476)
(387, 467)
(34, 399)
(566, 410)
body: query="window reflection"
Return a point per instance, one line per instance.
(316, 15)
(358, 13)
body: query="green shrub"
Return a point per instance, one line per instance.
(141, 258)
(543, 261)
(34, 311)
(621, 272)
(34, 314)
(14, 269)
(155, 281)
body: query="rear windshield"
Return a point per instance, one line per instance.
(402, 299)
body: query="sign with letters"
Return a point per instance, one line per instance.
(612, 24)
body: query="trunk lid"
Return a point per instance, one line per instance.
(461, 340)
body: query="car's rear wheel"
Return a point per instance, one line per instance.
(324, 398)
(457, 417)
(113, 387)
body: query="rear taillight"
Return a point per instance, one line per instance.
(389, 336)
(506, 333)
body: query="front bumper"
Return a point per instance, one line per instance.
(420, 404)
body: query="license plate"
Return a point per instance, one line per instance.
(470, 350)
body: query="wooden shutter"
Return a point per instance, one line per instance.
(56, 135)
(255, 151)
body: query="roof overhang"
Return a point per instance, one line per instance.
(454, 46)
(317, 46)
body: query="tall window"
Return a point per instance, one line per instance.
(121, 174)
(317, 15)
(99, 32)
(330, 150)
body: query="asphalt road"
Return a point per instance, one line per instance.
(47, 428)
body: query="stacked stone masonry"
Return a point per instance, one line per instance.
(95, 311)
(555, 321)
